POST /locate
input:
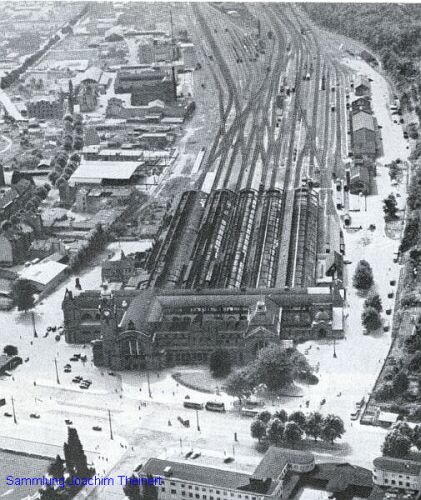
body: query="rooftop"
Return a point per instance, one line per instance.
(197, 474)
(43, 272)
(275, 460)
(95, 171)
(398, 465)
(362, 120)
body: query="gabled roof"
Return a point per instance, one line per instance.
(362, 120)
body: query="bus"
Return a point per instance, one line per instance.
(194, 406)
(215, 406)
(249, 412)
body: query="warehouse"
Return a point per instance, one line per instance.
(108, 173)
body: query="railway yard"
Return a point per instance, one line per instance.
(265, 198)
(280, 183)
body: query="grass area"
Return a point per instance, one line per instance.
(200, 380)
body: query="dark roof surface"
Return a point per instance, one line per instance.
(275, 459)
(341, 476)
(398, 465)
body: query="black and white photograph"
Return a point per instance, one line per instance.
(210, 250)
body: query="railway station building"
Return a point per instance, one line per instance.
(138, 329)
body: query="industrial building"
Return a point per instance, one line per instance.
(107, 173)
(146, 84)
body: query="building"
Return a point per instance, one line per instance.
(361, 173)
(361, 104)
(44, 275)
(181, 480)
(188, 53)
(157, 109)
(364, 135)
(106, 173)
(362, 86)
(139, 78)
(155, 140)
(15, 243)
(46, 108)
(14, 198)
(163, 89)
(118, 271)
(398, 473)
(145, 52)
(169, 327)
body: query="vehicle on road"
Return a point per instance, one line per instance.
(67, 370)
(97, 428)
(228, 460)
(68, 422)
(188, 454)
(355, 415)
(192, 405)
(34, 415)
(73, 358)
(7, 414)
(196, 455)
(249, 412)
(77, 379)
(215, 406)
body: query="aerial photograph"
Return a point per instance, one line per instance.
(210, 242)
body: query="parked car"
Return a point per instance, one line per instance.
(97, 428)
(77, 379)
(68, 422)
(73, 358)
(195, 455)
(67, 370)
(7, 414)
(34, 415)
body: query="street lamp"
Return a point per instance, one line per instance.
(334, 347)
(197, 420)
(33, 324)
(57, 378)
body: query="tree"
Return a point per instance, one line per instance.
(374, 300)
(314, 424)
(149, 490)
(257, 429)
(396, 445)
(220, 363)
(416, 436)
(404, 429)
(371, 319)
(363, 277)
(56, 468)
(415, 364)
(23, 294)
(131, 489)
(264, 416)
(293, 432)
(390, 207)
(76, 456)
(276, 367)
(299, 418)
(400, 383)
(281, 414)
(332, 428)
(78, 142)
(238, 384)
(275, 430)
(48, 493)
(10, 350)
